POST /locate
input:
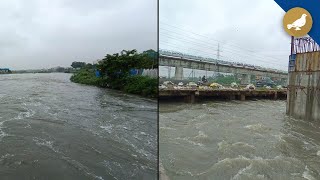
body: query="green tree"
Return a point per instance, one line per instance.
(76, 64)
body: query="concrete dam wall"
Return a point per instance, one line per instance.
(303, 96)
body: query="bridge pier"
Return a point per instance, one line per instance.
(179, 73)
(242, 97)
(190, 98)
(245, 79)
(232, 97)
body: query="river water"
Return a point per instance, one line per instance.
(51, 128)
(247, 140)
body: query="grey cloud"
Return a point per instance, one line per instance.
(42, 33)
(254, 26)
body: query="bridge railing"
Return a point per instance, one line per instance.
(304, 45)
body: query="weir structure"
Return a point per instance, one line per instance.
(303, 96)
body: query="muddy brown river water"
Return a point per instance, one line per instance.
(51, 128)
(247, 140)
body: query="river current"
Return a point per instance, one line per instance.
(247, 140)
(51, 128)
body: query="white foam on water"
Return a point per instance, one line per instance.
(249, 167)
(318, 153)
(43, 142)
(134, 155)
(306, 174)
(96, 150)
(167, 128)
(2, 96)
(190, 141)
(76, 164)
(141, 151)
(241, 171)
(184, 172)
(201, 134)
(107, 128)
(81, 167)
(6, 156)
(28, 126)
(2, 133)
(27, 114)
(279, 136)
(223, 145)
(260, 128)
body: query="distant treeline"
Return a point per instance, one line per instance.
(51, 70)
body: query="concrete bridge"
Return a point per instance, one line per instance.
(244, 72)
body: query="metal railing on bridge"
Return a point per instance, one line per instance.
(304, 45)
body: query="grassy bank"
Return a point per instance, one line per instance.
(140, 85)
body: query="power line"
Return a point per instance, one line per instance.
(211, 38)
(203, 45)
(257, 56)
(204, 53)
(210, 48)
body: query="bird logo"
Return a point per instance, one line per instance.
(297, 22)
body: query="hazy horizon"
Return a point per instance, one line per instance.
(246, 31)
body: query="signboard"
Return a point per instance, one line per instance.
(292, 62)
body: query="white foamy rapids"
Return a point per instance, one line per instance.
(74, 163)
(28, 126)
(227, 149)
(201, 138)
(201, 135)
(110, 165)
(6, 156)
(306, 174)
(167, 128)
(2, 133)
(186, 139)
(223, 145)
(107, 128)
(259, 128)
(27, 114)
(257, 168)
(279, 136)
(141, 151)
(81, 168)
(2, 96)
(43, 142)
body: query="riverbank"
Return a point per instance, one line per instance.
(140, 85)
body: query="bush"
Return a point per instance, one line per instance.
(86, 76)
(142, 85)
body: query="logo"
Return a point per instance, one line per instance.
(297, 22)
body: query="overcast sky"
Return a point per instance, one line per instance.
(43, 33)
(248, 31)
